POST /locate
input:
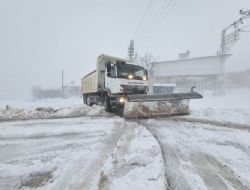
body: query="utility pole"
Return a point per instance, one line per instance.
(131, 50)
(229, 36)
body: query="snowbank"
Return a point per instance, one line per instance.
(33, 103)
(10, 113)
(233, 107)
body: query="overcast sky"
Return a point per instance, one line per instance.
(40, 38)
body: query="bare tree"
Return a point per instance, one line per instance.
(146, 60)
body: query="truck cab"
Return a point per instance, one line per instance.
(126, 78)
(122, 79)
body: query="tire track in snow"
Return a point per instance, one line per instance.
(170, 161)
(136, 162)
(215, 175)
(210, 122)
(242, 147)
(50, 149)
(91, 178)
(126, 137)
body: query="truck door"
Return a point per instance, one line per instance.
(110, 78)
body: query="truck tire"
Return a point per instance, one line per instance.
(107, 104)
(84, 99)
(120, 110)
(88, 102)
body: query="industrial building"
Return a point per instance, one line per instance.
(202, 72)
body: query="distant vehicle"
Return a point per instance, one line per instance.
(122, 87)
(163, 88)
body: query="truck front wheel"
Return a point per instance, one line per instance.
(107, 104)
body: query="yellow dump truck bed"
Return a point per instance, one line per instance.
(89, 83)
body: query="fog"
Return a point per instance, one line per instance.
(39, 39)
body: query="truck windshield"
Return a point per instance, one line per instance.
(133, 71)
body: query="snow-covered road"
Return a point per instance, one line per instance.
(209, 149)
(79, 153)
(110, 153)
(60, 153)
(203, 156)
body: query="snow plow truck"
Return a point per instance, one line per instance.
(122, 87)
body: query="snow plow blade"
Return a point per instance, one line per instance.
(158, 105)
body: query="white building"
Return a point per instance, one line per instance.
(202, 72)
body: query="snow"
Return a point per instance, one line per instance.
(103, 151)
(52, 154)
(233, 107)
(79, 153)
(56, 108)
(33, 103)
(136, 163)
(50, 150)
(200, 156)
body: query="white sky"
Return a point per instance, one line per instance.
(40, 38)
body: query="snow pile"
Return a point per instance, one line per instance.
(136, 163)
(233, 107)
(133, 110)
(33, 103)
(50, 112)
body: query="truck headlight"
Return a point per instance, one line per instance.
(122, 99)
(130, 76)
(144, 78)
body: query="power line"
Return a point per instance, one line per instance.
(158, 15)
(147, 10)
(165, 9)
(245, 27)
(227, 39)
(162, 12)
(140, 30)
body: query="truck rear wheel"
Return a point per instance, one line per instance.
(84, 99)
(107, 104)
(88, 101)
